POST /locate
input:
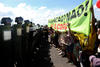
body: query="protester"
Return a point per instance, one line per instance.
(94, 62)
(98, 50)
(62, 44)
(56, 39)
(70, 42)
(98, 39)
(76, 50)
(51, 33)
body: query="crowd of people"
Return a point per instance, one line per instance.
(23, 44)
(69, 45)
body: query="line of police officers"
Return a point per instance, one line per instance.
(21, 45)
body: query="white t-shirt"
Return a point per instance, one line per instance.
(98, 50)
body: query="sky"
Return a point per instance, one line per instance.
(39, 11)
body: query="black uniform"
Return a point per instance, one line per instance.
(6, 46)
(25, 43)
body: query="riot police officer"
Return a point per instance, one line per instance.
(6, 46)
(17, 41)
(25, 41)
(31, 44)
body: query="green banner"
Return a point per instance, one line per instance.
(79, 19)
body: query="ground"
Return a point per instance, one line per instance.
(57, 60)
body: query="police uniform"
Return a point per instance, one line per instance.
(17, 41)
(6, 46)
(25, 42)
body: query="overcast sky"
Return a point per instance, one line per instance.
(39, 11)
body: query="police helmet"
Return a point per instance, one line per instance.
(19, 20)
(6, 20)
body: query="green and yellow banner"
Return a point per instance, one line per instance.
(79, 19)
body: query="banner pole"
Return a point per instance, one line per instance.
(92, 35)
(93, 20)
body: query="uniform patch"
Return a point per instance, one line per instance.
(7, 35)
(27, 29)
(19, 32)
